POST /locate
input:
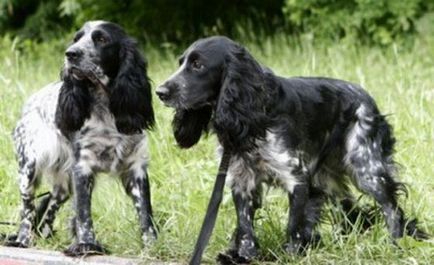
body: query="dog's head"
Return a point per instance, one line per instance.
(103, 56)
(94, 52)
(217, 78)
(198, 80)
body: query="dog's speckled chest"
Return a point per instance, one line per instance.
(101, 147)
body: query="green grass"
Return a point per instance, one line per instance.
(181, 180)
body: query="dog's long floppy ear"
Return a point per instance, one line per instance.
(73, 105)
(130, 94)
(188, 125)
(240, 117)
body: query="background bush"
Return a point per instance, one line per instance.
(169, 20)
(366, 21)
(374, 21)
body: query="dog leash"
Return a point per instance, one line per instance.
(7, 223)
(14, 223)
(212, 210)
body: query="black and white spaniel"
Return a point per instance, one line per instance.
(311, 136)
(92, 121)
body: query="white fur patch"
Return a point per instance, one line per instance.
(279, 162)
(95, 23)
(358, 131)
(271, 163)
(36, 136)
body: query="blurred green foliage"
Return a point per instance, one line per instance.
(167, 20)
(368, 21)
(372, 21)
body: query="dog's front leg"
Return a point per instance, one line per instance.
(245, 237)
(243, 245)
(296, 234)
(136, 184)
(86, 244)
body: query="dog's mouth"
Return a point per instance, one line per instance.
(179, 101)
(194, 107)
(93, 73)
(77, 73)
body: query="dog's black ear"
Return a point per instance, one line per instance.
(130, 94)
(188, 125)
(240, 116)
(73, 105)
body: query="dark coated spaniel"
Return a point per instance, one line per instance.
(92, 121)
(311, 136)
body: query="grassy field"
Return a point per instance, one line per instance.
(402, 82)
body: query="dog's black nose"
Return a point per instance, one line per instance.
(73, 54)
(163, 92)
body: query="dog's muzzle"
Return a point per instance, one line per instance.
(163, 93)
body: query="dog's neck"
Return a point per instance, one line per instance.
(101, 100)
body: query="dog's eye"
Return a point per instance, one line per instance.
(77, 36)
(101, 40)
(197, 65)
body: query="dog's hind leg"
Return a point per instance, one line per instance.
(41, 207)
(383, 189)
(369, 160)
(136, 184)
(46, 214)
(27, 182)
(354, 215)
